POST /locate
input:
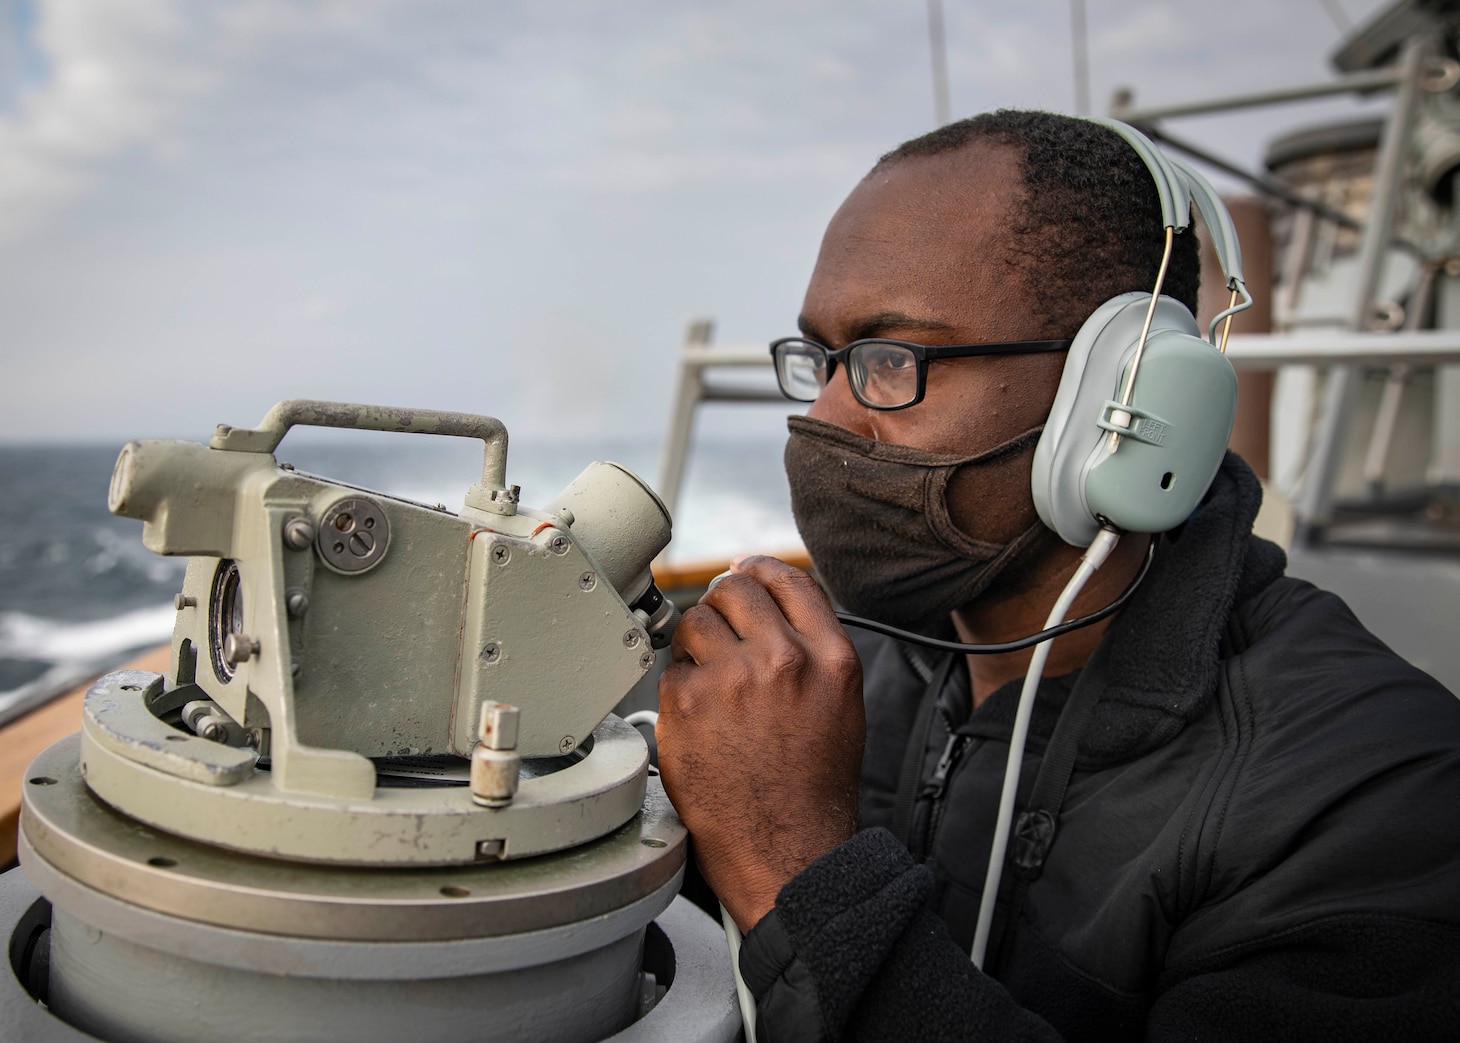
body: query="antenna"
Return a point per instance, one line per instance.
(1081, 45)
(940, 62)
(1341, 21)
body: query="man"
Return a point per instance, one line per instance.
(1261, 836)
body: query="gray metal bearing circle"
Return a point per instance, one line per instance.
(354, 534)
(149, 770)
(82, 838)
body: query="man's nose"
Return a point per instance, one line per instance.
(837, 405)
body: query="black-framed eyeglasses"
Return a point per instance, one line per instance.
(884, 374)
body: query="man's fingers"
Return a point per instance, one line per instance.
(744, 603)
(700, 631)
(798, 597)
(673, 683)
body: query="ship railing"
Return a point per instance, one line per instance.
(1418, 71)
(702, 369)
(1342, 347)
(700, 379)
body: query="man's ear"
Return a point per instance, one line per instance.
(1144, 466)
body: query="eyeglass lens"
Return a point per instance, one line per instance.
(881, 374)
(801, 367)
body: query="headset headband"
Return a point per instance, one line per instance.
(1179, 185)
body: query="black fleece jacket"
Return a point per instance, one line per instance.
(1260, 840)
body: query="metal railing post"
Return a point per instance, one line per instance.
(687, 393)
(1314, 505)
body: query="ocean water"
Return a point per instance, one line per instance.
(79, 592)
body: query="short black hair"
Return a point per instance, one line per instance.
(1091, 226)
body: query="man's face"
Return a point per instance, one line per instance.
(917, 253)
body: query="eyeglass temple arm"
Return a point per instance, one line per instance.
(1011, 347)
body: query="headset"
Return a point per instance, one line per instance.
(1145, 406)
(1138, 428)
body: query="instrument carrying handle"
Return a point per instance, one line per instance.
(305, 412)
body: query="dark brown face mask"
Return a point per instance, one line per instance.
(876, 522)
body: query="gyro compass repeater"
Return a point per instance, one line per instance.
(323, 626)
(376, 711)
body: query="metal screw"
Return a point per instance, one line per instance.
(239, 648)
(214, 731)
(491, 653)
(182, 601)
(587, 581)
(567, 744)
(501, 554)
(558, 544)
(361, 543)
(646, 660)
(296, 601)
(299, 533)
(251, 738)
(631, 639)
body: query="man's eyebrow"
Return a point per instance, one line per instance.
(808, 329)
(880, 324)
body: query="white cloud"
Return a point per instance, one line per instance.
(508, 207)
(119, 77)
(625, 169)
(128, 76)
(1137, 31)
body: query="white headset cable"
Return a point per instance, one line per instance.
(742, 991)
(1099, 550)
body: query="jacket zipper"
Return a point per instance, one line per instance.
(937, 786)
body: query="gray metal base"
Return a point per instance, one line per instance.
(94, 970)
(64, 826)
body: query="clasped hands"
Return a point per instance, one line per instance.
(761, 729)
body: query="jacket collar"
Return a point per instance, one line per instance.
(1158, 663)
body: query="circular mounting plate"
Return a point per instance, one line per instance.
(65, 825)
(205, 791)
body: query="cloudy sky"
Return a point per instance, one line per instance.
(506, 207)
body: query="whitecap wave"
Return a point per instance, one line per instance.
(723, 524)
(23, 636)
